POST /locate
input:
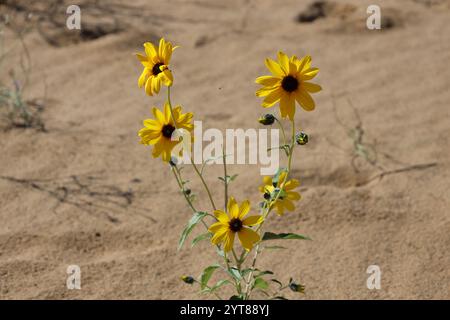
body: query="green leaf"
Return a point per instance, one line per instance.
(283, 236)
(279, 298)
(216, 286)
(234, 272)
(196, 218)
(201, 237)
(236, 297)
(278, 282)
(228, 179)
(206, 275)
(275, 247)
(260, 283)
(263, 273)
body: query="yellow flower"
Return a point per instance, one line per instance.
(156, 66)
(288, 83)
(287, 195)
(158, 131)
(235, 222)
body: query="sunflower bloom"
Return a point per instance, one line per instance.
(156, 66)
(158, 132)
(285, 200)
(288, 83)
(235, 222)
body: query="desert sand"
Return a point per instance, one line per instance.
(85, 192)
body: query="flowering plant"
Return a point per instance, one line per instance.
(288, 84)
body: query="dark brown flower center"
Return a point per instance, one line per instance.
(235, 225)
(167, 130)
(289, 83)
(156, 70)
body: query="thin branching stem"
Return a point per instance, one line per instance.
(248, 289)
(192, 160)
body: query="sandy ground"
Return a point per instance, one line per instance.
(86, 192)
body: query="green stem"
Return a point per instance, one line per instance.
(248, 288)
(282, 130)
(236, 283)
(204, 184)
(238, 286)
(225, 177)
(177, 176)
(192, 160)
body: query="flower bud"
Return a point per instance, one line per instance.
(301, 138)
(267, 119)
(173, 161)
(296, 287)
(187, 279)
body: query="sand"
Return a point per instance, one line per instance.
(85, 191)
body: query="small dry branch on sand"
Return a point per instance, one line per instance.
(368, 150)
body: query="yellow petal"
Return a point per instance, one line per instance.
(166, 155)
(288, 204)
(291, 195)
(145, 73)
(272, 98)
(221, 216)
(156, 84)
(248, 238)
(229, 240)
(143, 59)
(261, 189)
(280, 208)
(168, 77)
(291, 106)
(252, 220)
(284, 62)
(268, 81)
(303, 64)
(159, 116)
(148, 138)
(292, 184)
(292, 69)
(152, 124)
(305, 100)
(287, 105)
(244, 209)
(161, 49)
(262, 92)
(167, 53)
(234, 211)
(311, 87)
(150, 50)
(167, 113)
(281, 178)
(219, 236)
(148, 85)
(283, 105)
(309, 74)
(157, 149)
(231, 202)
(267, 180)
(275, 68)
(215, 227)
